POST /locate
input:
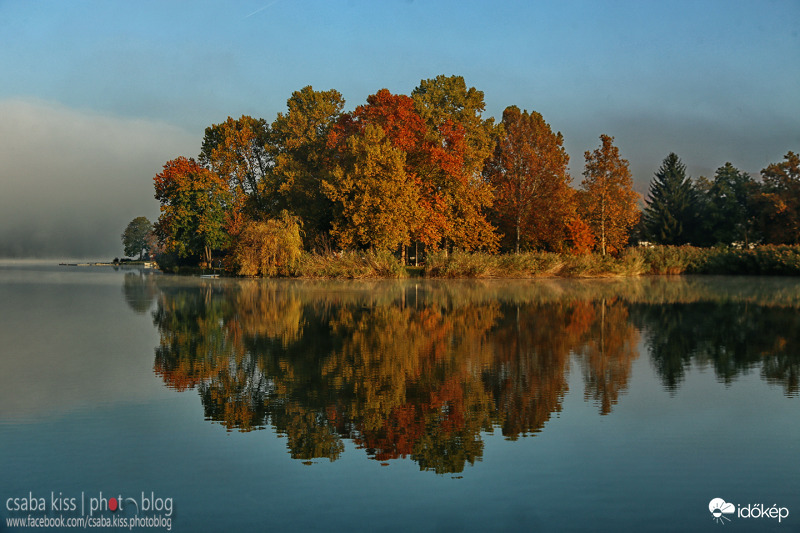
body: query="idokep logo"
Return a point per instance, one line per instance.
(719, 508)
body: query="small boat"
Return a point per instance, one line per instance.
(209, 275)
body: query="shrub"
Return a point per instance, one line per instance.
(270, 248)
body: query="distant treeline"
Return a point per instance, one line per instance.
(426, 173)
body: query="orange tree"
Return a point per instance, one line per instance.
(608, 203)
(454, 191)
(779, 201)
(528, 170)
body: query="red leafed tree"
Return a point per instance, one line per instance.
(528, 170)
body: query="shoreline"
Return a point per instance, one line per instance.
(768, 260)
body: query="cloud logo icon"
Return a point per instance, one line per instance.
(719, 508)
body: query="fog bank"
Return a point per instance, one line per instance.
(71, 180)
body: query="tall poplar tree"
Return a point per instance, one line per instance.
(608, 199)
(671, 213)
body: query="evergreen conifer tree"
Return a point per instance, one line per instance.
(671, 213)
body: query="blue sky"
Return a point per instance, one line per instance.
(98, 95)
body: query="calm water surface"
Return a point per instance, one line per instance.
(386, 406)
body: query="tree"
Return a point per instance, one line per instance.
(195, 207)
(302, 162)
(135, 238)
(403, 134)
(728, 206)
(453, 189)
(671, 213)
(779, 201)
(528, 171)
(374, 199)
(580, 236)
(238, 150)
(609, 201)
(268, 248)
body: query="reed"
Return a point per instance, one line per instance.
(349, 265)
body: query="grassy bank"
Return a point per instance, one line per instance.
(658, 260)
(761, 260)
(349, 265)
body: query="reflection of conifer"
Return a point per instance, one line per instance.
(671, 341)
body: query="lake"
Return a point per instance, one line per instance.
(195, 404)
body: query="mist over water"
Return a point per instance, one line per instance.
(72, 180)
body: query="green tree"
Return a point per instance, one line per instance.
(299, 141)
(528, 171)
(195, 208)
(671, 213)
(135, 238)
(729, 213)
(608, 201)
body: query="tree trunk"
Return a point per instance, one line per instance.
(603, 227)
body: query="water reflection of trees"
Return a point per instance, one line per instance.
(140, 290)
(412, 370)
(733, 338)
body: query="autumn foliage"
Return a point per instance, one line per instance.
(528, 170)
(195, 208)
(428, 172)
(608, 202)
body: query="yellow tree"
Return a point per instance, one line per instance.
(451, 180)
(608, 203)
(528, 170)
(375, 200)
(299, 139)
(237, 150)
